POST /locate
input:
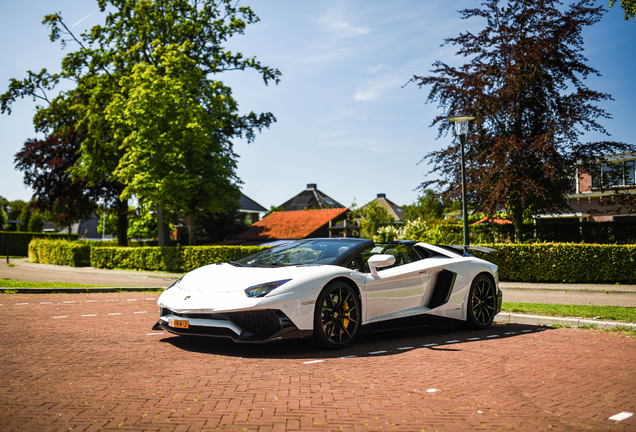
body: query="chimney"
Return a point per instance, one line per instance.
(381, 196)
(311, 186)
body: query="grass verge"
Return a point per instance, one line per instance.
(611, 313)
(4, 283)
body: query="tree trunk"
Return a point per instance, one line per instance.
(161, 231)
(122, 222)
(517, 214)
(192, 235)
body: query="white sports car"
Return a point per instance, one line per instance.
(331, 289)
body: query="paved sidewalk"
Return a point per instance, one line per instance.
(90, 362)
(23, 270)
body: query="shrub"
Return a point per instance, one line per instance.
(59, 252)
(19, 241)
(564, 262)
(173, 258)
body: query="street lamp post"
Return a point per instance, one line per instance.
(461, 128)
(7, 210)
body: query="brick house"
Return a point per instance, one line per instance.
(593, 199)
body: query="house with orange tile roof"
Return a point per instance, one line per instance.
(294, 225)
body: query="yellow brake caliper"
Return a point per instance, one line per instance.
(345, 321)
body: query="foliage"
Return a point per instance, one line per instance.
(629, 6)
(372, 217)
(109, 226)
(427, 207)
(177, 258)
(524, 85)
(273, 209)
(32, 220)
(170, 122)
(19, 241)
(143, 224)
(142, 82)
(60, 252)
(17, 207)
(46, 164)
(563, 262)
(613, 313)
(415, 229)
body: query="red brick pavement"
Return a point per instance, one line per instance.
(92, 370)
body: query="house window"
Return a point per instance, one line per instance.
(613, 174)
(629, 173)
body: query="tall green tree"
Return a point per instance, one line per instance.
(523, 81)
(372, 217)
(427, 207)
(172, 119)
(137, 42)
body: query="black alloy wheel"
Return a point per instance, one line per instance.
(482, 306)
(337, 316)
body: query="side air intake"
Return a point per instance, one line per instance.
(442, 283)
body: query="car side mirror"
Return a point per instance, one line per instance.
(377, 261)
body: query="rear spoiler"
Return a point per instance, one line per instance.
(477, 248)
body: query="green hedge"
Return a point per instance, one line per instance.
(564, 262)
(173, 258)
(60, 252)
(19, 241)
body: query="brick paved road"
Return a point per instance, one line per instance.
(90, 362)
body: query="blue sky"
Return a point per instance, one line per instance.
(345, 119)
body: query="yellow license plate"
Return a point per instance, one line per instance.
(179, 323)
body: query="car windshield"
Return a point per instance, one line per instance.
(302, 252)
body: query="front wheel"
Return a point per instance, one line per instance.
(482, 303)
(337, 316)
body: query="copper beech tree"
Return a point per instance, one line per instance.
(524, 83)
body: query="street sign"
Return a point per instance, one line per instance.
(14, 221)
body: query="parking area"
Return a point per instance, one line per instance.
(91, 362)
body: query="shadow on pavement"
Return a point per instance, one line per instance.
(390, 342)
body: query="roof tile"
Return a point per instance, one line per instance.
(290, 224)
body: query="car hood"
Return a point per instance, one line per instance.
(227, 278)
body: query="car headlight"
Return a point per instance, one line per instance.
(263, 289)
(174, 284)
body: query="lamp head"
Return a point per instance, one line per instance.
(461, 123)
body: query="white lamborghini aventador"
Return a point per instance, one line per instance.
(331, 289)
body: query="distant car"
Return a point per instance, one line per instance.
(331, 289)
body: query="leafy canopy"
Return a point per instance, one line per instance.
(524, 83)
(152, 120)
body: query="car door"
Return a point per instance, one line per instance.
(398, 290)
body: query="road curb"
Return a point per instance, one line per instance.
(76, 290)
(507, 317)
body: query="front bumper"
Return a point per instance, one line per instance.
(249, 326)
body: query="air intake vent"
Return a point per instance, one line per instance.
(263, 323)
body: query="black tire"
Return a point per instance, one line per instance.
(482, 303)
(337, 316)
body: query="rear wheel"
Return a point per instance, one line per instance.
(337, 316)
(482, 303)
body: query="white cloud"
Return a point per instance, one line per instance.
(373, 89)
(336, 22)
